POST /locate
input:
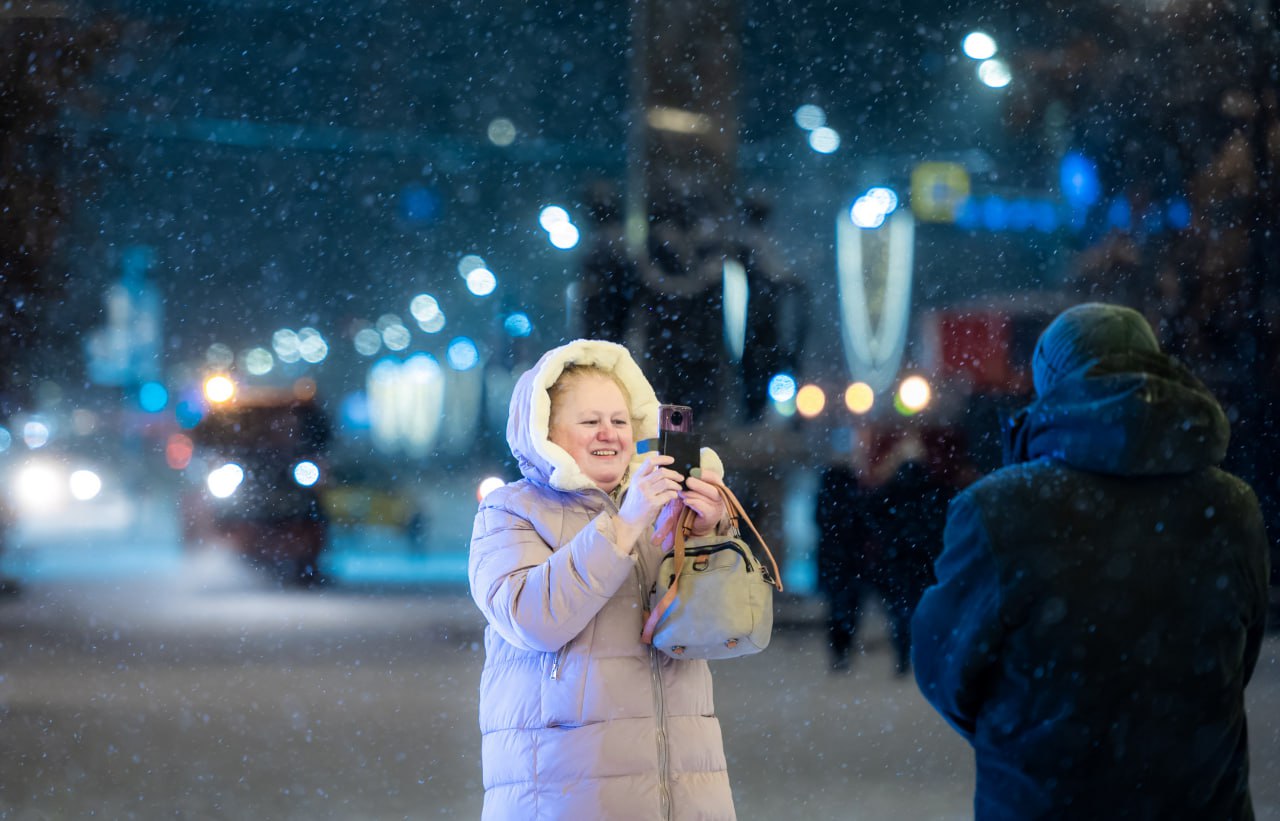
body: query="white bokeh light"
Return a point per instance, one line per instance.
(258, 361)
(396, 337)
(810, 116)
(552, 216)
(469, 263)
(824, 140)
(564, 235)
(35, 434)
(311, 346)
(501, 132)
(423, 307)
(367, 341)
(994, 73)
(481, 281)
(85, 485)
(223, 481)
(434, 325)
(979, 45)
(488, 485)
(306, 473)
(286, 345)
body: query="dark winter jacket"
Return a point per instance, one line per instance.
(909, 512)
(1100, 606)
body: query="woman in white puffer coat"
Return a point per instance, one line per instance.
(579, 718)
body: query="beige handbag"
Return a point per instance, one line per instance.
(714, 598)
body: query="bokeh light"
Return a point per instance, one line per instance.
(551, 216)
(311, 346)
(424, 306)
(782, 387)
(501, 131)
(35, 434)
(488, 485)
(979, 45)
(258, 361)
(859, 398)
(463, 355)
(152, 398)
(994, 73)
(517, 324)
(85, 484)
(219, 388)
(914, 395)
(824, 140)
(810, 116)
(286, 345)
(367, 341)
(564, 235)
(306, 473)
(178, 451)
(481, 281)
(223, 481)
(810, 400)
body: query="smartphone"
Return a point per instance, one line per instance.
(676, 439)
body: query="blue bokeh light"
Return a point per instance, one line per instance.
(152, 397)
(1078, 178)
(782, 387)
(517, 324)
(463, 355)
(1179, 214)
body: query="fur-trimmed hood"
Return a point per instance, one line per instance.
(529, 420)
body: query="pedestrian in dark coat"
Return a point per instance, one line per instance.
(845, 566)
(907, 515)
(1101, 599)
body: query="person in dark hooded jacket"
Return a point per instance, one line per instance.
(1100, 600)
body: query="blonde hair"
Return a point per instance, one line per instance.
(573, 374)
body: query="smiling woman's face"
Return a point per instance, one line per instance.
(590, 419)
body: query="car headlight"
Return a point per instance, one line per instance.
(40, 487)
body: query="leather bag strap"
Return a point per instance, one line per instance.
(683, 529)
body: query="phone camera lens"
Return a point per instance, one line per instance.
(677, 418)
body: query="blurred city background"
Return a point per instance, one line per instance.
(269, 271)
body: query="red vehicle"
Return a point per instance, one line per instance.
(255, 478)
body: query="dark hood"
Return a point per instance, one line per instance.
(1135, 413)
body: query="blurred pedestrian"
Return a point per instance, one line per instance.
(907, 514)
(844, 566)
(579, 718)
(1101, 599)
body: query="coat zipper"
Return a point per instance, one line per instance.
(660, 713)
(555, 663)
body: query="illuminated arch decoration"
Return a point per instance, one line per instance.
(874, 269)
(406, 404)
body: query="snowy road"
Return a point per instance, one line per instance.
(205, 694)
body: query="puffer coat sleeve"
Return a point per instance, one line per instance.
(535, 598)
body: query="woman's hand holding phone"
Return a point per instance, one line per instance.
(652, 487)
(702, 496)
